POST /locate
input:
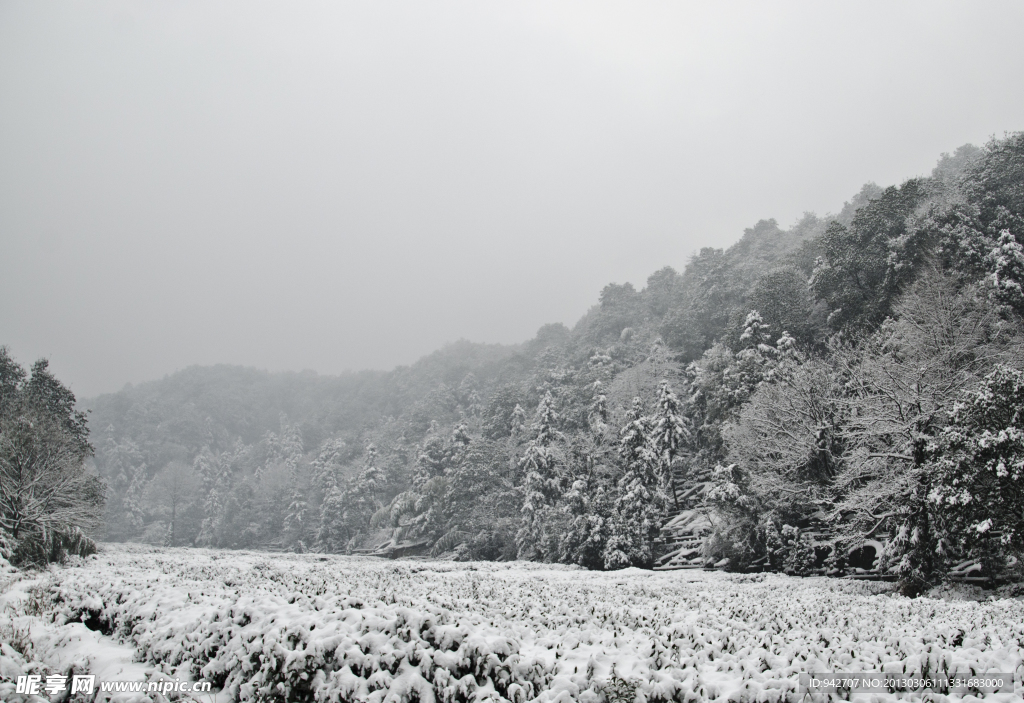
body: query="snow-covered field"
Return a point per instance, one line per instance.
(331, 628)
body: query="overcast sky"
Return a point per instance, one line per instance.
(335, 185)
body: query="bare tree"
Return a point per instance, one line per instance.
(901, 389)
(853, 437)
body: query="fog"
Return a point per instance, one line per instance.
(336, 186)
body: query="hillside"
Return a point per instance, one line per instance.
(504, 451)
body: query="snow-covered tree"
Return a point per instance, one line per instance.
(459, 443)
(586, 527)
(541, 486)
(640, 503)
(127, 475)
(134, 512)
(469, 396)
(518, 423)
(1006, 266)
(737, 519)
(349, 506)
(756, 334)
(297, 527)
(287, 449)
(325, 467)
(172, 493)
(288, 444)
(208, 470)
(48, 501)
(598, 416)
(334, 532)
(669, 432)
(978, 486)
(722, 381)
(364, 495)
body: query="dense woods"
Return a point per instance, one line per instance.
(859, 371)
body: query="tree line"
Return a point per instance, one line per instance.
(859, 371)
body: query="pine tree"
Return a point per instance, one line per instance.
(583, 541)
(756, 334)
(459, 445)
(598, 416)
(324, 469)
(541, 482)
(668, 434)
(640, 503)
(371, 480)
(295, 525)
(334, 532)
(915, 552)
(215, 473)
(127, 471)
(363, 496)
(469, 397)
(289, 443)
(134, 513)
(1006, 266)
(295, 521)
(518, 422)
(206, 467)
(432, 460)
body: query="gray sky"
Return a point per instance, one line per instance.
(344, 185)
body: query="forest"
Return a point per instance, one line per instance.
(860, 373)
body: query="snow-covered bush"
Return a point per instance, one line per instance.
(308, 627)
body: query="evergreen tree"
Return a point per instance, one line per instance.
(207, 469)
(1006, 277)
(915, 551)
(586, 533)
(518, 423)
(459, 445)
(364, 494)
(334, 532)
(541, 488)
(296, 522)
(288, 447)
(756, 334)
(978, 486)
(668, 434)
(640, 503)
(469, 396)
(126, 469)
(328, 462)
(444, 481)
(598, 409)
(133, 500)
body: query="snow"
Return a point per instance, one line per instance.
(334, 628)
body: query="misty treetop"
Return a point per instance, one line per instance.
(855, 376)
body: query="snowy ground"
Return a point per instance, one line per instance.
(333, 628)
